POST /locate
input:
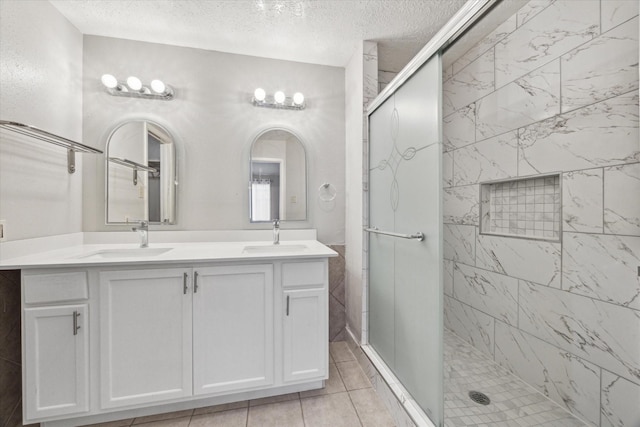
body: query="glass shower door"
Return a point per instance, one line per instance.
(405, 285)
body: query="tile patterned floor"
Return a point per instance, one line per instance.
(513, 403)
(347, 400)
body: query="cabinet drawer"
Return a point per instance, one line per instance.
(44, 288)
(303, 274)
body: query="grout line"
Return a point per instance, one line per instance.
(613, 28)
(518, 152)
(560, 85)
(453, 280)
(601, 234)
(15, 408)
(603, 200)
(494, 339)
(485, 313)
(561, 231)
(304, 423)
(518, 312)
(620, 376)
(600, 33)
(600, 395)
(495, 68)
(476, 239)
(354, 407)
(634, 91)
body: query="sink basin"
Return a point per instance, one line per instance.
(274, 249)
(125, 253)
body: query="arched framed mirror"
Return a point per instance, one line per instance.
(278, 177)
(140, 174)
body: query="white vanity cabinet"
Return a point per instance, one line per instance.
(55, 345)
(154, 323)
(305, 323)
(145, 336)
(164, 339)
(233, 328)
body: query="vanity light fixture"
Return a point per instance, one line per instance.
(158, 86)
(134, 88)
(259, 95)
(279, 100)
(279, 97)
(298, 98)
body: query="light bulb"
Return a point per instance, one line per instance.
(157, 86)
(259, 94)
(279, 97)
(298, 98)
(109, 81)
(134, 83)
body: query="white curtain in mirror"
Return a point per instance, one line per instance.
(278, 155)
(261, 200)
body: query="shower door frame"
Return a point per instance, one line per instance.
(470, 13)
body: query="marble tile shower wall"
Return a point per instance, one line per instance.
(552, 89)
(384, 78)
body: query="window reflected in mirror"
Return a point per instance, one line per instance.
(278, 182)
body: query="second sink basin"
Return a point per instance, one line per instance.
(125, 253)
(274, 249)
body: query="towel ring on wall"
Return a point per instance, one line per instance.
(327, 192)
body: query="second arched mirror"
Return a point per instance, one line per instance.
(278, 177)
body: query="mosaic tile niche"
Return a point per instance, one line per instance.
(528, 207)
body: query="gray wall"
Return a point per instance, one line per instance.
(553, 89)
(214, 124)
(40, 85)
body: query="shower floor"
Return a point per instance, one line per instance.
(513, 402)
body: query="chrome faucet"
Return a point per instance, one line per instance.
(276, 232)
(143, 229)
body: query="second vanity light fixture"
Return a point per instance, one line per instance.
(278, 100)
(134, 88)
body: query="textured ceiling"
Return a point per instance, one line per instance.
(314, 31)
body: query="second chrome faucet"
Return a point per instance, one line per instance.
(143, 230)
(276, 232)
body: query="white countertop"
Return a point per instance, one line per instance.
(86, 255)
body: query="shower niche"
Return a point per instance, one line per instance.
(528, 207)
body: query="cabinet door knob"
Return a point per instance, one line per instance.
(75, 322)
(195, 282)
(288, 304)
(185, 281)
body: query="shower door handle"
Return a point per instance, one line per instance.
(416, 236)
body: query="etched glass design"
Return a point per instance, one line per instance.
(405, 286)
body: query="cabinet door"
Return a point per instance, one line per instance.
(232, 328)
(56, 360)
(145, 336)
(305, 334)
